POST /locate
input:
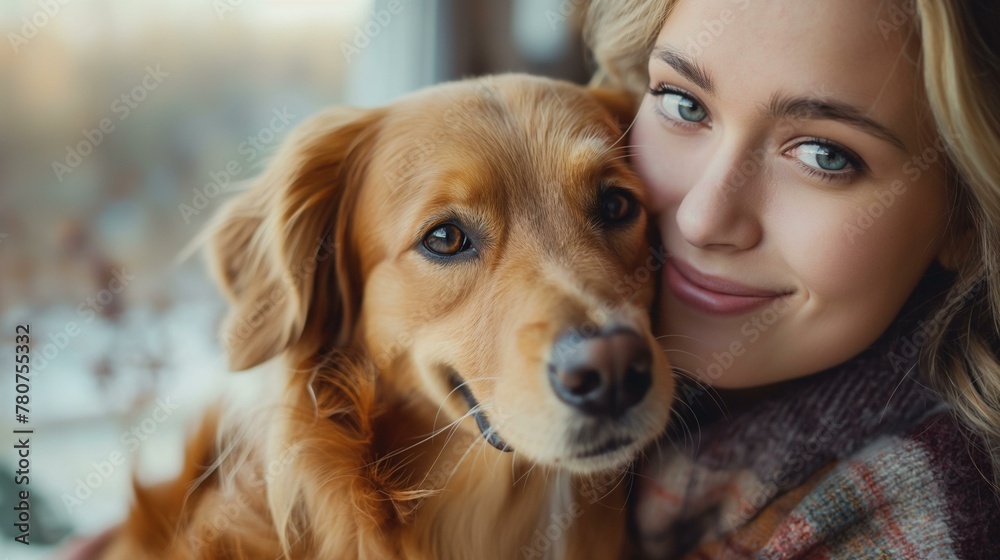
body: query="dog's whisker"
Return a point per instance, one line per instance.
(625, 133)
(641, 146)
(686, 353)
(480, 407)
(662, 336)
(527, 473)
(458, 387)
(616, 158)
(452, 425)
(712, 392)
(623, 153)
(621, 478)
(472, 445)
(396, 189)
(672, 441)
(686, 432)
(446, 445)
(513, 474)
(628, 493)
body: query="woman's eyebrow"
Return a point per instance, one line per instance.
(781, 107)
(684, 66)
(824, 109)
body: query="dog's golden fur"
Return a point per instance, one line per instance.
(367, 450)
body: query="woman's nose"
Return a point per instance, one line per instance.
(721, 210)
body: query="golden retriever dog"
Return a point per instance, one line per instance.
(455, 355)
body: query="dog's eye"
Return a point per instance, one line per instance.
(446, 240)
(617, 206)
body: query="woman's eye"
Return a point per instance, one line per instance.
(446, 240)
(823, 157)
(827, 161)
(680, 107)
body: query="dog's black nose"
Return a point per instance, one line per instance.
(601, 375)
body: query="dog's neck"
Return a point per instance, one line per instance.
(437, 493)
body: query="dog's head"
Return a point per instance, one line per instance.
(484, 243)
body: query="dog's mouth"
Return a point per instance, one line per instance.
(612, 444)
(611, 440)
(485, 428)
(489, 433)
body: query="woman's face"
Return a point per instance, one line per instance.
(798, 184)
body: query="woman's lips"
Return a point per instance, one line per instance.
(711, 294)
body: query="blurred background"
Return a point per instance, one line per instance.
(123, 124)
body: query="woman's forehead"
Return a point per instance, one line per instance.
(850, 52)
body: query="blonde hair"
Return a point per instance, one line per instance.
(960, 57)
(621, 34)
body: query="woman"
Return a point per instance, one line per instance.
(826, 184)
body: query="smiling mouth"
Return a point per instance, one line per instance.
(714, 295)
(485, 428)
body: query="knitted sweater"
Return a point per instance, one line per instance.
(860, 461)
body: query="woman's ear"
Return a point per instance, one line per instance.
(959, 230)
(956, 248)
(279, 250)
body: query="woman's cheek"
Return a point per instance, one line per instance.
(840, 267)
(662, 162)
(808, 226)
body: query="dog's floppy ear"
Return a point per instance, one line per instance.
(280, 250)
(622, 104)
